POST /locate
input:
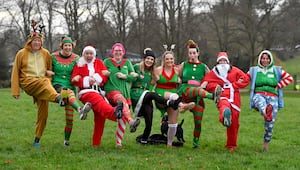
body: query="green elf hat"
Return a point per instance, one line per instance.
(192, 44)
(66, 39)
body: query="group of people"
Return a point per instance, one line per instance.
(112, 87)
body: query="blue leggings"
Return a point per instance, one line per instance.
(260, 102)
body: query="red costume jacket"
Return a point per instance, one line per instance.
(231, 84)
(86, 70)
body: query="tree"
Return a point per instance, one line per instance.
(75, 13)
(21, 19)
(145, 27)
(100, 31)
(287, 25)
(222, 23)
(4, 61)
(121, 15)
(46, 10)
(251, 21)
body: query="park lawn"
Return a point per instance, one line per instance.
(17, 132)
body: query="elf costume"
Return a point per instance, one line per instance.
(62, 66)
(116, 88)
(166, 83)
(192, 73)
(142, 95)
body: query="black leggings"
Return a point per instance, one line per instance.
(147, 111)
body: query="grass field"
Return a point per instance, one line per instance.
(292, 66)
(17, 133)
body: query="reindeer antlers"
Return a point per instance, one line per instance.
(37, 27)
(172, 47)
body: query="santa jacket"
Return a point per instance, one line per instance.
(86, 70)
(230, 84)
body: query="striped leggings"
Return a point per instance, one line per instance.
(196, 94)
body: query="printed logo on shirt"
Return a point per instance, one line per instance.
(270, 75)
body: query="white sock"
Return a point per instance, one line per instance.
(173, 96)
(171, 133)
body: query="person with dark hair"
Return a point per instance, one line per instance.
(63, 62)
(32, 73)
(267, 82)
(142, 95)
(89, 75)
(231, 79)
(192, 72)
(120, 76)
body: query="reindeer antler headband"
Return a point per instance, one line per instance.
(37, 30)
(172, 47)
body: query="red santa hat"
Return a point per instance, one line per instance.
(222, 55)
(89, 48)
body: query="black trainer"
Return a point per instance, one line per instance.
(174, 103)
(119, 110)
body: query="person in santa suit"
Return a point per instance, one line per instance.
(89, 75)
(231, 79)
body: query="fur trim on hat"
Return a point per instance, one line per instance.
(81, 61)
(148, 52)
(222, 55)
(91, 48)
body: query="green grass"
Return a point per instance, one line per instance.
(292, 66)
(17, 131)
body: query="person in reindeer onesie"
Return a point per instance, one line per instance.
(89, 75)
(32, 73)
(231, 79)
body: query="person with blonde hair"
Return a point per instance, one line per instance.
(166, 79)
(142, 95)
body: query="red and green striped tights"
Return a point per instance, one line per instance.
(196, 94)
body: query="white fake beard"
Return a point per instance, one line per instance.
(223, 69)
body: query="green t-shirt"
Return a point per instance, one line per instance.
(114, 83)
(62, 66)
